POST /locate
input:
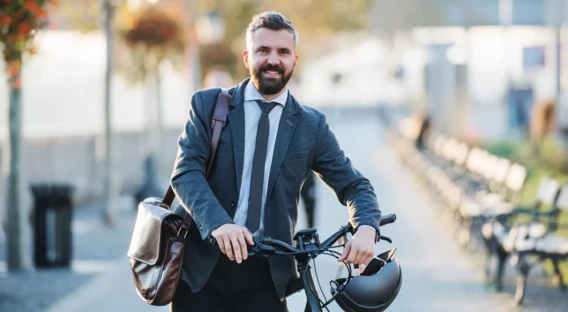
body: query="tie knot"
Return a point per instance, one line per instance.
(266, 107)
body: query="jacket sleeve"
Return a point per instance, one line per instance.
(351, 187)
(188, 177)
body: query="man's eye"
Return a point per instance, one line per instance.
(284, 52)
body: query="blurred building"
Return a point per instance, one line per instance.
(476, 66)
(357, 75)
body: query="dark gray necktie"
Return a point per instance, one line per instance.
(258, 163)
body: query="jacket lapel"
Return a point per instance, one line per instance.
(285, 131)
(237, 124)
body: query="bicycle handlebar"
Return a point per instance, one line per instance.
(265, 246)
(390, 218)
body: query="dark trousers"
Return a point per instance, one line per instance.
(232, 287)
(308, 193)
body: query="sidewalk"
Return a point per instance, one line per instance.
(111, 291)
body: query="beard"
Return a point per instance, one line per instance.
(266, 85)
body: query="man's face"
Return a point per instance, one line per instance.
(271, 60)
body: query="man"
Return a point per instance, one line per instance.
(265, 153)
(219, 76)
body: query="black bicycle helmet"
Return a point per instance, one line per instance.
(372, 291)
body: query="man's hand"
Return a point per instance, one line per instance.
(360, 249)
(232, 240)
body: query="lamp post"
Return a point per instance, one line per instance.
(110, 189)
(556, 18)
(206, 28)
(506, 20)
(210, 28)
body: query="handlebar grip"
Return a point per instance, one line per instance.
(390, 218)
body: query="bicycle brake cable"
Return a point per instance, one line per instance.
(349, 276)
(322, 304)
(319, 284)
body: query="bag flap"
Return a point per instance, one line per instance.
(148, 231)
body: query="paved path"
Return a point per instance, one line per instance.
(437, 276)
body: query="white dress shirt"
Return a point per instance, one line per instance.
(252, 116)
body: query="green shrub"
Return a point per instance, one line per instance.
(507, 149)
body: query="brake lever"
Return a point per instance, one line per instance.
(385, 238)
(261, 250)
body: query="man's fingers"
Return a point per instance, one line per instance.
(365, 256)
(248, 237)
(236, 249)
(369, 259)
(221, 245)
(345, 252)
(243, 244)
(228, 248)
(352, 254)
(360, 255)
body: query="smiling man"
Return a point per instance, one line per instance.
(265, 153)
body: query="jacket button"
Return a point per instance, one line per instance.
(233, 204)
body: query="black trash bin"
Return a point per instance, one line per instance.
(53, 212)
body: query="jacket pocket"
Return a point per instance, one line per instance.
(297, 155)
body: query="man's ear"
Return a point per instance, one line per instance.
(245, 58)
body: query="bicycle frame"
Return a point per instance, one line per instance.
(312, 303)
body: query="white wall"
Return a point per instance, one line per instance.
(63, 90)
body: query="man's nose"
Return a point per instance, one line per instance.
(273, 58)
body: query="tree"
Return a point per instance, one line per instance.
(152, 35)
(85, 16)
(20, 21)
(110, 183)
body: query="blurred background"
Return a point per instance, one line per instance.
(96, 93)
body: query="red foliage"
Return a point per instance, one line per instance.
(154, 27)
(18, 19)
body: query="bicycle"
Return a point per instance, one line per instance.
(309, 247)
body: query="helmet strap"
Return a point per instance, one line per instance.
(341, 264)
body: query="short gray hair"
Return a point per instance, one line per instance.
(271, 20)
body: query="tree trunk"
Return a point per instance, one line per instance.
(192, 48)
(110, 185)
(154, 122)
(18, 230)
(159, 124)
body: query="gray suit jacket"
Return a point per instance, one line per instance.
(304, 142)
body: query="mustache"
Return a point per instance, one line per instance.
(272, 68)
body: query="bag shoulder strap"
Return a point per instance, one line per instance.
(218, 121)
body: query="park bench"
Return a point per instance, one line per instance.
(540, 240)
(504, 234)
(506, 184)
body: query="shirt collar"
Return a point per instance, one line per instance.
(252, 94)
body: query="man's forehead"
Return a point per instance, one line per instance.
(273, 38)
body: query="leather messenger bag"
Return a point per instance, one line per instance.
(158, 240)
